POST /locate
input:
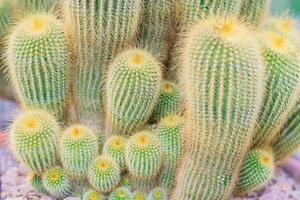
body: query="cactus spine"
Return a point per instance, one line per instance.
(254, 11)
(282, 88)
(78, 147)
(156, 25)
(121, 193)
(99, 29)
(35, 181)
(56, 182)
(132, 91)
(289, 140)
(222, 76)
(104, 174)
(169, 101)
(256, 171)
(93, 195)
(34, 139)
(158, 194)
(38, 57)
(115, 147)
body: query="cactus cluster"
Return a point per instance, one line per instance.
(116, 106)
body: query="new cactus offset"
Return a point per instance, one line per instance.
(257, 169)
(282, 86)
(93, 195)
(38, 60)
(132, 91)
(120, 193)
(138, 195)
(33, 136)
(78, 148)
(222, 78)
(35, 181)
(157, 194)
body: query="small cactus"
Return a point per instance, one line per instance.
(78, 147)
(93, 195)
(143, 155)
(132, 91)
(139, 195)
(104, 174)
(38, 62)
(158, 194)
(34, 139)
(121, 193)
(256, 171)
(169, 101)
(35, 181)
(115, 147)
(56, 182)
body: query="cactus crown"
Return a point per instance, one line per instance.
(278, 43)
(171, 120)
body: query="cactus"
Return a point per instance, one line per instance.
(289, 140)
(34, 139)
(99, 29)
(93, 195)
(256, 171)
(126, 182)
(35, 5)
(115, 147)
(38, 57)
(155, 28)
(194, 10)
(143, 155)
(222, 76)
(132, 91)
(120, 193)
(167, 176)
(254, 11)
(157, 194)
(78, 147)
(5, 16)
(138, 195)
(35, 181)
(104, 174)
(282, 88)
(144, 185)
(169, 101)
(56, 182)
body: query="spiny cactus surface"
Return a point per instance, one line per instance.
(157, 194)
(35, 181)
(254, 11)
(120, 193)
(93, 195)
(5, 16)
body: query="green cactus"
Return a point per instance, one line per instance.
(194, 10)
(169, 101)
(255, 11)
(6, 10)
(104, 173)
(35, 5)
(126, 182)
(256, 171)
(35, 181)
(93, 195)
(56, 182)
(132, 91)
(78, 147)
(144, 185)
(99, 30)
(121, 193)
(289, 140)
(34, 139)
(143, 155)
(139, 195)
(115, 147)
(158, 194)
(156, 25)
(167, 176)
(282, 88)
(38, 57)
(222, 79)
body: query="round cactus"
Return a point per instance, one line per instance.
(38, 62)
(143, 155)
(115, 147)
(34, 139)
(93, 195)
(78, 147)
(56, 182)
(132, 91)
(169, 101)
(120, 193)
(35, 181)
(139, 195)
(104, 174)
(256, 171)
(157, 194)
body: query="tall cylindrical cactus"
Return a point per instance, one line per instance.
(222, 78)
(34, 139)
(282, 88)
(254, 11)
(99, 29)
(38, 59)
(132, 91)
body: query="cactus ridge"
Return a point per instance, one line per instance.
(254, 12)
(5, 16)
